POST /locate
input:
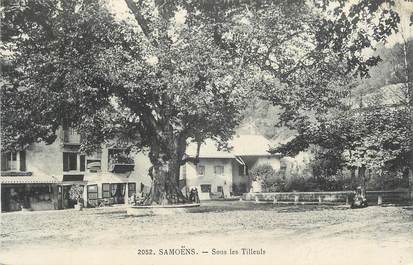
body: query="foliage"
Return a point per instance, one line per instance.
(76, 192)
(261, 172)
(371, 130)
(160, 82)
(266, 176)
(387, 180)
(59, 53)
(319, 89)
(321, 183)
(326, 162)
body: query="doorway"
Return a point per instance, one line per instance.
(67, 203)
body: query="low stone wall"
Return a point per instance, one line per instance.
(373, 197)
(316, 197)
(396, 197)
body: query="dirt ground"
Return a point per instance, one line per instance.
(215, 233)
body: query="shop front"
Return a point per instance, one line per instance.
(68, 181)
(28, 193)
(109, 193)
(109, 189)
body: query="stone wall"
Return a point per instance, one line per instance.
(398, 197)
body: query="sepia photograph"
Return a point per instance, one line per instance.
(198, 132)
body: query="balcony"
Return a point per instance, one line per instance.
(119, 163)
(16, 173)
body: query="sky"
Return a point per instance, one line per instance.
(403, 7)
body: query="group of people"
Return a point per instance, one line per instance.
(359, 199)
(139, 198)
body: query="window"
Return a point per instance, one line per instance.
(92, 194)
(200, 170)
(241, 170)
(22, 160)
(119, 157)
(9, 161)
(93, 165)
(131, 189)
(113, 189)
(183, 171)
(283, 169)
(205, 188)
(106, 190)
(82, 162)
(69, 161)
(116, 154)
(70, 135)
(219, 189)
(219, 170)
(93, 162)
(118, 189)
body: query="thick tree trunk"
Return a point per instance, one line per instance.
(362, 176)
(353, 183)
(165, 185)
(165, 172)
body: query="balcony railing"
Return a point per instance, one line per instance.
(16, 173)
(121, 163)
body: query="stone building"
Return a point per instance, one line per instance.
(226, 172)
(40, 177)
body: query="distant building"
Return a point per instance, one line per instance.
(226, 172)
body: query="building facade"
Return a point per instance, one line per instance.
(41, 176)
(225, 173)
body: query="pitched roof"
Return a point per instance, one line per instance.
(242, 145)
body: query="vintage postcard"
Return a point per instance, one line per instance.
(206, 132)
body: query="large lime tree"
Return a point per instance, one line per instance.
(173, 71)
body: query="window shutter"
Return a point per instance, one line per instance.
(73, 161)
(131, 188)
(106, 190)
(82, 162)
(4, 161)
(65, 162)
(22, 160)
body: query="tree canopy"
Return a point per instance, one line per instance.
(160, 81)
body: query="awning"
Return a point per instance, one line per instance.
(94, 165)
(70, 183)
(28, 180)
(73, 177)
(107, 178)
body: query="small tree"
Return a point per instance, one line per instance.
(267, 177)
(76, 193)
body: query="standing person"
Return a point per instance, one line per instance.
(225, 190)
